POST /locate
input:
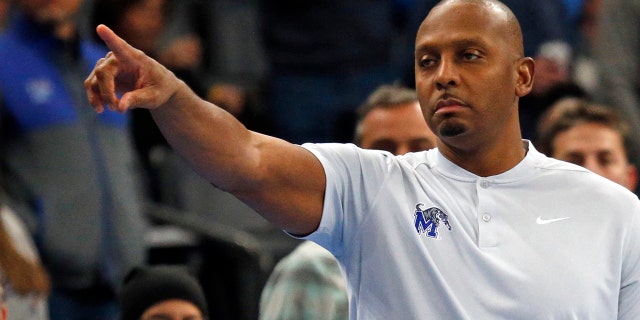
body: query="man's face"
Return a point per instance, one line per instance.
(467, 72)
(398, 130)
(51, 11)
(597, 148)
(172, 310)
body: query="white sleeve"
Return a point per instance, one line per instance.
(629, 301)
(354, 178)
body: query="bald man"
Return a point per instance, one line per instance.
(483, 226)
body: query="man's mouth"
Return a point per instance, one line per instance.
(449, 105)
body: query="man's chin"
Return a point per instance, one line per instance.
(449, 130)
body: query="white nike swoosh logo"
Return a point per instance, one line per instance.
(545, 221)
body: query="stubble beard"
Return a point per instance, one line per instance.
(452, 129)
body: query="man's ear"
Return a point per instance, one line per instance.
(526, 69)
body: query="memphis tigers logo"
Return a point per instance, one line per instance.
(428, 221)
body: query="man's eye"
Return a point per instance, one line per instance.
(471, 56)
(605, 159)
(384, 145)
(426, 61)
(578, 161)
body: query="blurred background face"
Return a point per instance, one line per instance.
(4, 12)
(597, 148)
(50, 11)
(142, 24)
(173, 310)
(398, 130)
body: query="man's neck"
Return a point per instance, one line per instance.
(485, 162)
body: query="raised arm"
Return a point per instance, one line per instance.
(282, 181)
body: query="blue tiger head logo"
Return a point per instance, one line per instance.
(428, 221)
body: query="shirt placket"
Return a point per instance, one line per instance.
(486, 217)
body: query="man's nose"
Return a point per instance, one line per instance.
(592, 164)
(447, 74)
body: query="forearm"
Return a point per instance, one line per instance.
(214, 142)
(282, 181)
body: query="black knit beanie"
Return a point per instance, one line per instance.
(143, 287)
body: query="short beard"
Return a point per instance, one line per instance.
(452, 130)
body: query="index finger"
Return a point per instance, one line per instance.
(117, 45)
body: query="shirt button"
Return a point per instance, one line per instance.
(484, 184)
(486, 217)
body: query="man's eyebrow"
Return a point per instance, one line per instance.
(160, 317)
(574, 153)
(456, 43)
(420, 139)
(169, 317)
(605, 152)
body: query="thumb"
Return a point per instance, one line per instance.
(141, 98)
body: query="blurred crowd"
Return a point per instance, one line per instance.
(79, 192)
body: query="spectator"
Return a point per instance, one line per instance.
(162, 292)
(589, 135)
(390, 120)
(306, 284)
(72, 173)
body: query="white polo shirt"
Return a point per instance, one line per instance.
(544, 240)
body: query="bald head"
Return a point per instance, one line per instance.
(470, 73)
(500, 14)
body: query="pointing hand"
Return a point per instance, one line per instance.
(141, 81)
